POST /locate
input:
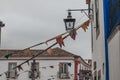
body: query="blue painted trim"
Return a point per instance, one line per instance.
(106, 34)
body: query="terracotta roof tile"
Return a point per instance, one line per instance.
(56, 52)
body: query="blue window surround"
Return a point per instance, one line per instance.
(106, 34)
(114, 16)
(111, 8)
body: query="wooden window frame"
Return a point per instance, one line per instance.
(99, 75)
(36, 68)
(63, 66)
(10, 71)
(97, 18)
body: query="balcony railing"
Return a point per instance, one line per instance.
(34, 74)
(63, 75)
(11, 74)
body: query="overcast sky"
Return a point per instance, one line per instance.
(28, 22)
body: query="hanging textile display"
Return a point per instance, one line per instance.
(8, 55)
(72, 34)
(88, 1)
(85, 25)
(27, 52)
(49, 51)
(19, 67)
(59, 40)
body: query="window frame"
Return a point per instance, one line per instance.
(99, 75)
(63, 70)
(33, 69)
(11, 71)
(97, 18)
(95, 75)
(94, 65)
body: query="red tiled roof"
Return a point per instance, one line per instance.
(56, 52)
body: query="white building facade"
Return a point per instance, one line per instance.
(46, 72)
(105, 21)
(59, 65)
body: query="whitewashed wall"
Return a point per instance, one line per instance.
(98, 53)
(114, 57)
(45, 74)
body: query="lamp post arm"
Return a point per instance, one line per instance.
(78, 9)
(86, 14)
(82, 10)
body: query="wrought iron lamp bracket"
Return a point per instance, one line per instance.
(82, 10)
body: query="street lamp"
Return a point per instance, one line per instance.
(1, 25)
(69, 22)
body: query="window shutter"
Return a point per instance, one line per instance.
(63, 71)
(38, 74)
(7, 74)
(34, 70)
(12, 74)
(30, 74)
(60, 69)
(65, 68)
(35, 74)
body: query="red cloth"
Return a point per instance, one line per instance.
(88, 1)
(73, 34)
(59, 40)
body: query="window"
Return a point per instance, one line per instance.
(11, 73)
(103, 68)
(64, 68)
(95, 75)
(99, 75)
(95, 65)
(63, 71)
(97, 18)
(34, 72)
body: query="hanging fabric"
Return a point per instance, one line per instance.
(8, 55)
(73, 33)
(59, 40)
(19, 67)
(27, 52)
(85, 25)
(69, 64)
(88, 1)
(49, 51)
